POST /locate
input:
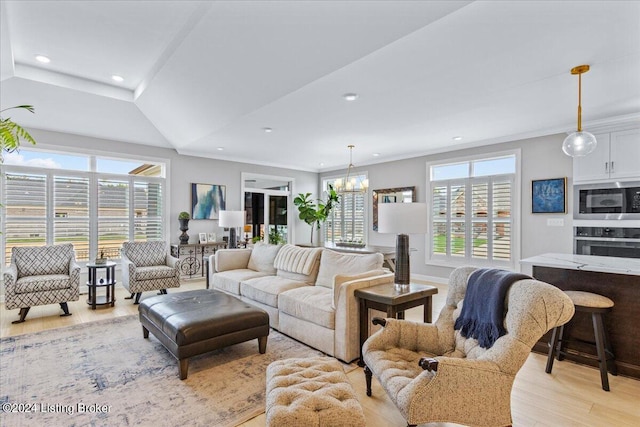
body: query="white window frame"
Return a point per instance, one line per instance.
(93, 197)
(450, 261)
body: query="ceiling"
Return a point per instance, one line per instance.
(206, 78)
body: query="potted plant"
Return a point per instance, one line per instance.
(183, 218)
(11, 132)
(315, 212)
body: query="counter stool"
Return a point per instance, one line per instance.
(597, 305)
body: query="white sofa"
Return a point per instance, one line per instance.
(308, 292)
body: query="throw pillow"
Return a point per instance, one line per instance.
(262, 257)
(332, 263)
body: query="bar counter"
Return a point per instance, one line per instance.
(615, 278)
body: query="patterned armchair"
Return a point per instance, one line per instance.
(41, 275)
(432, 373)
(146, 266)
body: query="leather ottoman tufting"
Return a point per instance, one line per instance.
(196, 322)
(311, 392)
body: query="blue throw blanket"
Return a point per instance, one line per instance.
(483, 309)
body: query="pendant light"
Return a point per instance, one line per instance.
(579, 143)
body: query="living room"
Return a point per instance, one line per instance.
(422, 75)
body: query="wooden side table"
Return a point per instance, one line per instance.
(388, 299)
(108, 283)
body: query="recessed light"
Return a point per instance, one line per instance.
(267, 130)
(321, 164)
(220, 148)
(376, 154)
(457, 138)
(117, 78)
(350, 96)
(43, 59)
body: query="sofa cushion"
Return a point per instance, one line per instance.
(42, 260)
(49, 282)
(262, 257)
(266, 289)
(332, 263)
(154, 272)
(310, 303)
(229, 281)
(295, 259)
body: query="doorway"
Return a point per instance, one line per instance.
(266, 204)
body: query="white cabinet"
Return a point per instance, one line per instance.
(617, 156)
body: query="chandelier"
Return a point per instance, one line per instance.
(351, 184)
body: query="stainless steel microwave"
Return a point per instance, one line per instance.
(616, 200)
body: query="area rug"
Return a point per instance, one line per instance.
(105, 374)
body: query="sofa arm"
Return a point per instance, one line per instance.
(172, 262)
(231, 259)
(74, 274)
(128, 271)
(10, 277)
(347, 319)
(417, 336)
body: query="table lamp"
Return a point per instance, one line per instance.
(232, 220)
(402, 219)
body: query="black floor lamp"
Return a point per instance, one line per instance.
(402, 219)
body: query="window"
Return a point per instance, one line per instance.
(347, 220)
(53, 198)
(472, 211)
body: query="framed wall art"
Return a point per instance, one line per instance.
(549, 195)
(207, 200)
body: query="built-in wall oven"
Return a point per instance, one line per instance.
(607, 241)
(614, 200)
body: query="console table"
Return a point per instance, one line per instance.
(193, 256)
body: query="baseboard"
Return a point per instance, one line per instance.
(438, 280)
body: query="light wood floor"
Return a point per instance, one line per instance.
(570, 396)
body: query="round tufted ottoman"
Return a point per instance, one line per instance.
(311, 392)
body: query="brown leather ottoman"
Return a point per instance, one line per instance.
(195, 322)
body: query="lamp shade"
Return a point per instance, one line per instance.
(579, 144)
(231, 219)
(402, 218)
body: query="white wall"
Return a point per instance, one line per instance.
(541, 158)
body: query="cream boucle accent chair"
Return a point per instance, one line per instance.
(147, 266)
(462, 382)
(40, 275)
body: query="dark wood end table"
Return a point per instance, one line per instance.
(108, 282)
(394, 302)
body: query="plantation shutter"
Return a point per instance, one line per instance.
(71, 213)
(113, 216)
(147, 207)
(26, 211)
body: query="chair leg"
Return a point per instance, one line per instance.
(137, 301)
(130, 296)
(23, 314)
(598, 328)
(65, 309)
(611, 360)
(552, 349)
(367, 376)
(562, 344)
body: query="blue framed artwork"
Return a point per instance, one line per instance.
(549, 195)
(207, 200)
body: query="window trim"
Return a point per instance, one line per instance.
(447, 261)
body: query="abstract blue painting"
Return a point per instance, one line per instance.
(549, 195)
(207, 200)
